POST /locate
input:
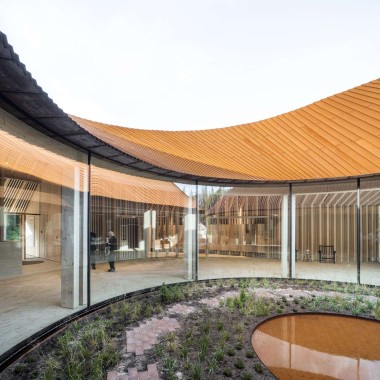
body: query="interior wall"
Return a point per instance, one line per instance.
(327, 225)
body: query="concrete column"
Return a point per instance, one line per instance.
(148, 233)
(70, 249)
(293, 236)
(2, 180)
(378, 233)
(189, 245)
(284, 235)
(153, 237)
(83, 268)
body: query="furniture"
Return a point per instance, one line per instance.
(307, 256)
(327, 254)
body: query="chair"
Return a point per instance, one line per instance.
(327, 254)
(307, 256)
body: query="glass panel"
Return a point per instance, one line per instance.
(325, 231)
(370, 231)
(43, 256)
(142, 232)
(12, 227)
(241, 232)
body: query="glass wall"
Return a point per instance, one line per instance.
(43, 244)
(243, 232)
(326, 222)
(142, 231)
(370, 231)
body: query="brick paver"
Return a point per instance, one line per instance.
(181, 309)
(134, 374)
(144, 336)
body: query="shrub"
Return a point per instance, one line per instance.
(258, 368)
(249, 354)
(239, 364)
(227, 372)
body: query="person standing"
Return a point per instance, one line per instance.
(112, 244)
(93, 250)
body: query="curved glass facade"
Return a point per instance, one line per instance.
(76, 231)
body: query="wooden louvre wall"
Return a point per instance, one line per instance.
(335, 223)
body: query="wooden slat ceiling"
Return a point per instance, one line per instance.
(20, 156)
(336, 137)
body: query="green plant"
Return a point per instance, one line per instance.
(219, 325)
(212, 366)
(169, 368)
(258, 368)
(239, 328)
(249, 354)
(238, 345)
(203, 347)
(244, 283)
(206, 327)
(136, 311)
(204, 342)
(164, 292)
(158, 308)
(170, 337)
(184, 351)
(219, 354)
(231, 351)
(225, 336)
(376, 310)
(159, 350)
(227, 372)
(239, 364)
(196, 371)
(20, 369)
(246, 376)
(148, 310)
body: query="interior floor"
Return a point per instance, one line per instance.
(31, 301)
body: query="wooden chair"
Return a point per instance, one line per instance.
(327, 254)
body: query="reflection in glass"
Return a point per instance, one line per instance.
(153, 223)
(315, 346)
(242, 232)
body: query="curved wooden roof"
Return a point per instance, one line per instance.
(335, 137)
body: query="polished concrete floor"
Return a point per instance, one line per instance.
(31, 301)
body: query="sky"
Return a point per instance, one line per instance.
(193, 64)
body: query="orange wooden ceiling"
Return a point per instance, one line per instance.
(37, 163)
(335, 137)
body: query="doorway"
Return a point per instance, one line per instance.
(31, 229)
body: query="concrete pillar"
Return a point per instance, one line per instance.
(148, 233)
(284, 235)
(293, 236)
(378, 233)
(189, 245)
(153, 237)
(70, 248)
(83, 265)
(2, 180)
